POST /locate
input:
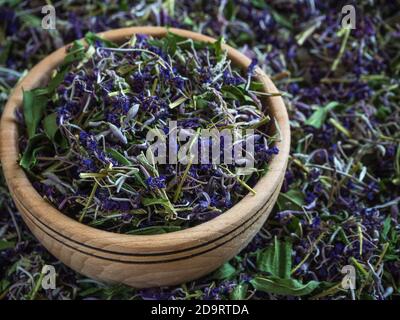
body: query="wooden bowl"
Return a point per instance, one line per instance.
(140, 260)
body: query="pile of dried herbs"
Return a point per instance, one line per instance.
(88, 136)
(339, 205)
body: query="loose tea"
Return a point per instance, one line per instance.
(340, 201)
(95, 139)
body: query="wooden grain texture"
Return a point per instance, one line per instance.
(139, 260)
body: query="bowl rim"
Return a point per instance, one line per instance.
(27, 197)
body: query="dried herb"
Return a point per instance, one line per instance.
(345, 189)
(87, 142)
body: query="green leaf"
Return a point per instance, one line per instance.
(28, 159)
(318, 118)
(30, 20)
(233, 92)
(168, 43)
(188, 21)
(90, 291)
(75, 53)
(11, 3)
(217, 46)
(169, 5)
(386, 227)
(154, 201)
(91, 39)
(33, 107)
(240, 292)
(256, 86)
(280, 19)
(118, 156)
(51, 130)
(294, 225)
(171, 41)
(290, 287)
(4, 54)
(57, 79)
(241, 39)
(260, 4)
(6, 245)
(123, 5)
(230, 10)
(276, 259)
(382, 113)
(292, 199)
(50, 125)
(224, 272)
(4, 284)
(199, 102)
